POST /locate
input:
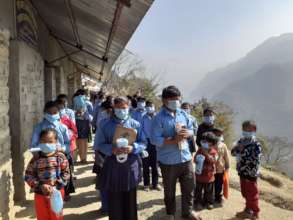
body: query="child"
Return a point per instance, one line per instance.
(205, 178)
(151, 160)
(66, 120)
(207, 125)
(49, 170)
(120, 180)
(83, 121)
(52, 120)
(248, 151)
(222, 164)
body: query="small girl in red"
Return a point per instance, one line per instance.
(203, 193)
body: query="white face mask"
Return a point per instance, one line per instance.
(141, 105)
(150, 109)
(173, 104)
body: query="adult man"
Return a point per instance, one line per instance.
(170, 130)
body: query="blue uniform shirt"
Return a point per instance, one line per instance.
(138, 115)
(105, 133)
(89, 107)
(62, 134)
(163, 126)
(146, 125)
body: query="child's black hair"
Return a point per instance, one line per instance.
(149, 103)
(140, 99)
(249, 123)
(60, 102)
(47, 131)
(185, 104)
(210, 137)
(218, 130)
(171, 92)
(50, 104)
(107, 105)
(62, 96)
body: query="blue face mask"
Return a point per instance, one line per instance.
(52, 118)
(47, 148)
(209, 119)
(248, 134)
(204, 145)
(121, 113)
(187, 111)
(141, 105)
(150, 110)
(173, 104)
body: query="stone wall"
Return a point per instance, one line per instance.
(27, 96)
(6, 189)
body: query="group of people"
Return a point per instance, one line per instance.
(168, 140)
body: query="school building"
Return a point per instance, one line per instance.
(49, 47)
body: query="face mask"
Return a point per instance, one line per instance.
(47, 148)
(121, 113)
(204, 145)
(52, 118)
(209, 119)
(248, 134)
(173, 104)
(187, 111)
(141, 105)
(150, 110)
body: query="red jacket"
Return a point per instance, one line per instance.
(209, 167)
(72, 131)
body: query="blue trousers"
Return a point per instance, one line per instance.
(104, 200)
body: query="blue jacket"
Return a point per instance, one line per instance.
(163, 126)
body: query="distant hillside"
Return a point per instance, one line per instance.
(258, 86)
(274, 50)
(265, 96)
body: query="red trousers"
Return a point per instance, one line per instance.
(43, 208)
(250, 192)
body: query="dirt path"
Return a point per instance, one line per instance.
(84, 203)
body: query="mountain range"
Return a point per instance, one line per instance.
(259, 86)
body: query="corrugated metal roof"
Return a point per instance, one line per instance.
(89, 23)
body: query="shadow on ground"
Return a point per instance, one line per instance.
(28, 211)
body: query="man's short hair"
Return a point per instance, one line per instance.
(170, 92)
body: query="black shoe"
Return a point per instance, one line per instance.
(102, 213)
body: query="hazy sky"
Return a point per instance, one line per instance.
(183, 39)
